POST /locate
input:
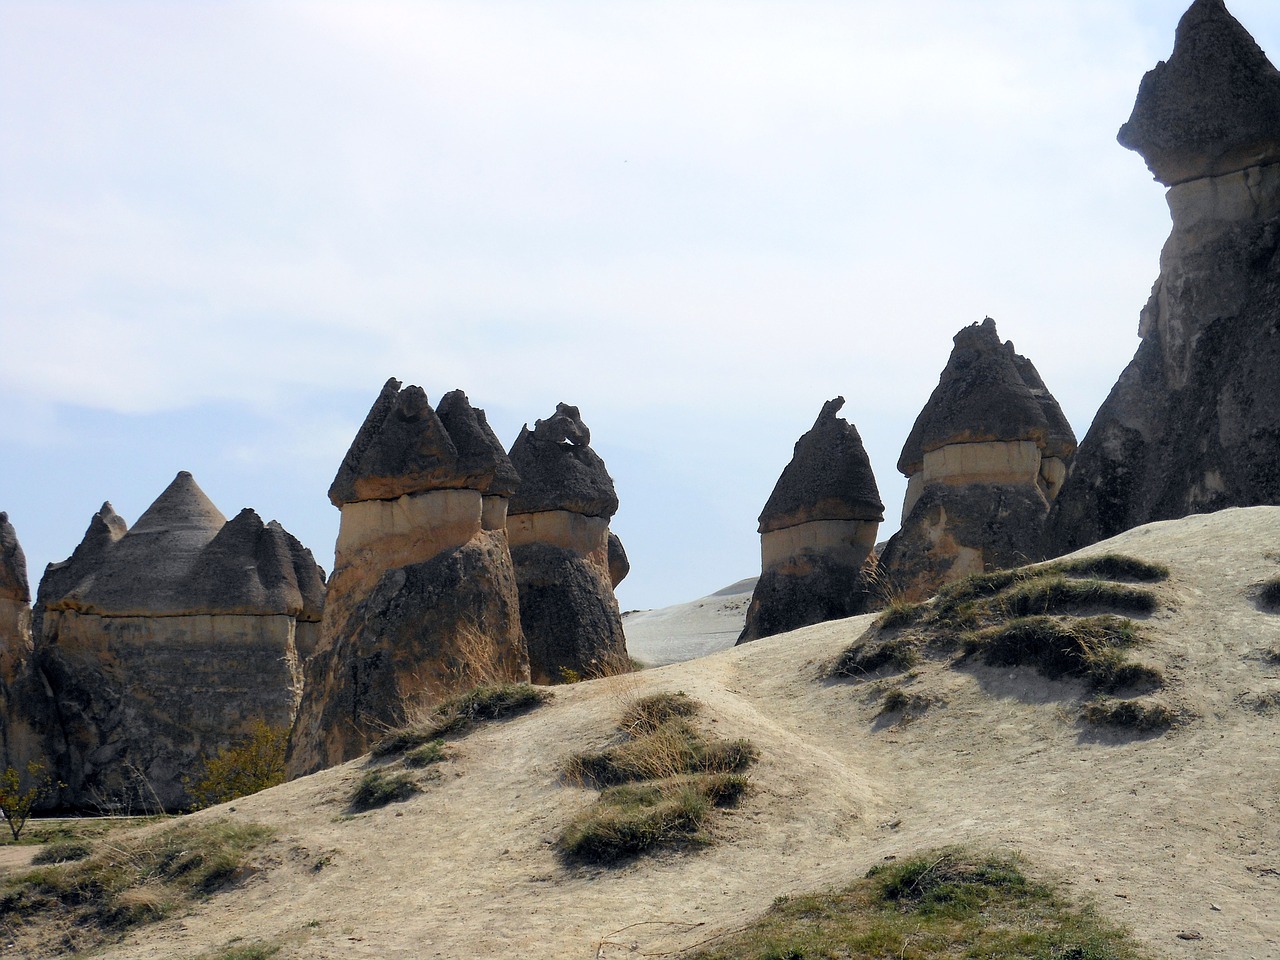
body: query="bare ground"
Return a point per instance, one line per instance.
(1172, 834)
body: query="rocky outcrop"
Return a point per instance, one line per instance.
(161, 644)
(18, 743)
(1193, 423)
(984, 460)
(558, 526)
(816, 531)
(423, 595)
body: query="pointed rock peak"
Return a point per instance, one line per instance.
(401, 448)
(182, 506)
(1213, 108)
(980, 397)
(481, 458)
(13, 564)
(829, 477)
(559, 470)
(108, 519)
(1060, 441)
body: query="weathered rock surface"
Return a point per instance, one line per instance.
(816, 531)
(619, 565)
(423, 596)
(1213, 108)
(987, 455)
(17, 742)
(558, 526)
(1193, 423)
(161, 644)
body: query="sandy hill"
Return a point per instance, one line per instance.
(1173, 834)
(687, 630)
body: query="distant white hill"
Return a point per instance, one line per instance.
(688, 630)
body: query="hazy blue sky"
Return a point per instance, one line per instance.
(224, 224)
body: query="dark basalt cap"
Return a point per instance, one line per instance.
(401, 448)
(145, 570)
(255, 568)
(13, 564)
(559, 470)
(980, 397)
(829, 477)
(1061, 439)
(1213, 107)
(482, 462)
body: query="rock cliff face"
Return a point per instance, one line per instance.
(560, 542)
(1193, 424)
(423, 595)
(985, 458)
(17, 741)
(161, 644)
(816, 531)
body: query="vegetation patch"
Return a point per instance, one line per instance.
(457, 715)
(1059, 618)
(253, 763)
(377, 788)
(944, 904)
(126, 882)
(63, 851)
(1144, 716)
(243, 951)
(432, 751)
(660, 784)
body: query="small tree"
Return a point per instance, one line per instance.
(253, 763)
(17, 801)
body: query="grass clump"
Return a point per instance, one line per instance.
(1113, 566)
(243, 951)
(1144, 717)
(457, 715)
(430, 752)
(63, 851)
(1086, 648)
(871, 656)
(377, 788)
(647, 714)
(1055, 594)
(942, 904)
(659, 785)
(124, 883)
(1269, 595)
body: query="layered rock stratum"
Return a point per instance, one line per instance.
(984, 459)
(566, 561)
(423, 598)
(816, 531)
(1193, 423)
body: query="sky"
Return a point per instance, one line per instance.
(224, 225)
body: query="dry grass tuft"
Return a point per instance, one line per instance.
(1147, 716)
(456, 715)
(377, 788)
(939, 905)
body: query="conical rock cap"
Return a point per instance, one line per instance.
(559, 470)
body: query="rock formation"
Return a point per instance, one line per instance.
(816, 530)
(558, 525)
(15, 642)
(161, 644)
(1193, 424)
(423, 594)
(985, 458)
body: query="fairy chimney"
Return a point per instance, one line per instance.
(423, 597)
(1193, 423)
(162, 643)
(558, 524)
(816, 531)
(983, 461)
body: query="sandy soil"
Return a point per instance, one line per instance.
(1174, 834)
(688, 630)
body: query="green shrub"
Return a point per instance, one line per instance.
(459, 714)
(431, 752)
(21, 793)
(377, 788)
(63, 851)
(940, 905)
(253, 763)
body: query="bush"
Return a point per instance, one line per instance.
(63, 851)
(458, 714)
(255, 762)
(20, 794)
(934, 906)
(377, 788)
